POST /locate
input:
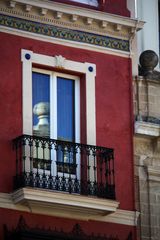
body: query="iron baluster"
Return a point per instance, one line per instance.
(88, 171)
(50, 185)
(64, 159)
(75, 164)
(57, 178)
(101, 173)
(30, 143)
(23, 161)
(37, 182)
(109, 172)
(94, 172)
(69, 169)
(23, 155)
(43, 144)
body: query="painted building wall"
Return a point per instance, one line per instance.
(114, 121)
(98, 228)
(114, 131)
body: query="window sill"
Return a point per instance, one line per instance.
(64, 205)
(146, 128)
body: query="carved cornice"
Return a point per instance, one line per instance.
(64, 33)
(61, 203)
(145, 80)
(154, 173)
(120, 216)
(93, 25)
(147, 128)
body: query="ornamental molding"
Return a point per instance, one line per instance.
(149, 133)
(64, 34)
(64, 204)
(120, 216)
(154, 173)
(81, 12)
(89, 69)
(24, 230)
(145, 80)
(57, 21)
(72, 22)
(147, 128)
(68, 17)
(60, 61)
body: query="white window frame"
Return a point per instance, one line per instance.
(87, 2)
(29, 58)
(53, 101)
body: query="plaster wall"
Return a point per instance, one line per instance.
(113, 113)
(11, 218)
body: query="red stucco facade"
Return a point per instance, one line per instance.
(114, 123)
(98, 228)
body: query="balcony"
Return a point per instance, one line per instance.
(47, 169)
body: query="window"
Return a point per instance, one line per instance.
(56, 114)
(88, 2)
(88, 70)
(43, 111)
(56, 105)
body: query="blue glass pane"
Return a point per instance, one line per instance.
(65, 109)
(40, 91)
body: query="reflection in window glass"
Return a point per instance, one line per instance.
(88, 2)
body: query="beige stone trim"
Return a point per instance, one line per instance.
(122, 217)
(145, 79)
(83, 12)
(146, 128)
(64, 202)
(68, 16)
(154, 173)
(68, 206)
(65, 42)
(73, 66)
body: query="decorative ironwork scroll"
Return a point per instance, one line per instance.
(41, 163)
(24, 232)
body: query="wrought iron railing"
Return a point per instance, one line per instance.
(25, 232)
(64, 166)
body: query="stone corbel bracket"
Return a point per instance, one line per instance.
(88, 19)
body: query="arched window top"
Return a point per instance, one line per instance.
(88, 2)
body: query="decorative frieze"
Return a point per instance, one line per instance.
(60, 61)
(86, 26)
(64, 33)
